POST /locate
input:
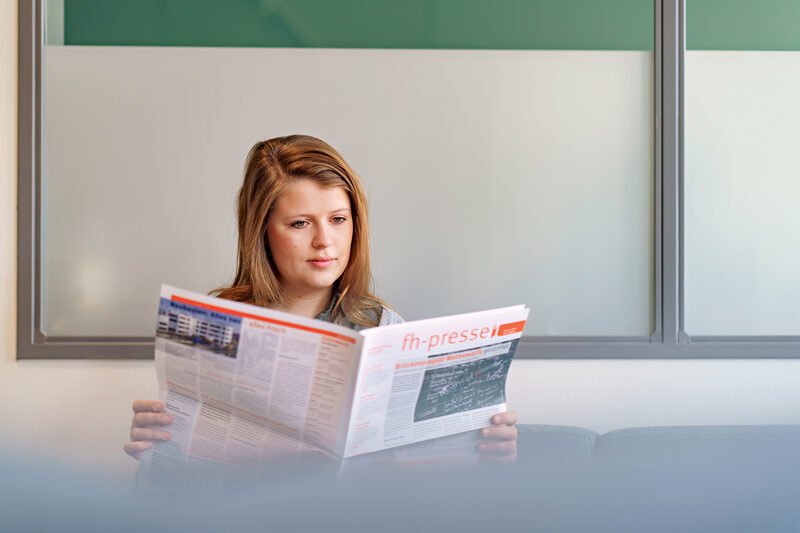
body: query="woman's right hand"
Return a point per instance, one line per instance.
(148, 417)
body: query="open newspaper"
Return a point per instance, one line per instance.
(246, 384)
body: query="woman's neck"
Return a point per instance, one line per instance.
(308, 304)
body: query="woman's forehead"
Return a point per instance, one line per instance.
(306, 194)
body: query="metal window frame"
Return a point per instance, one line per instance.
(32, 343)
(667, 340)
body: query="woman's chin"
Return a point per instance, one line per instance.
(314, 284)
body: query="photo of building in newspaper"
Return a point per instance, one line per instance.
(200, 327)
(451, 389)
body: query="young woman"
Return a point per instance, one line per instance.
(304, 249)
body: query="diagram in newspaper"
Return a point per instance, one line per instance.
(246, 384)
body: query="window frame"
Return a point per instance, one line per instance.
(667, 340)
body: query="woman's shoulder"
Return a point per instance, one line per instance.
(389, 316)
(380, 315)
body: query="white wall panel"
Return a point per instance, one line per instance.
(495, 177)
(742, 184)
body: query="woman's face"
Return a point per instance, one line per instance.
(309, 233)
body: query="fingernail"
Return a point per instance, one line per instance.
(485, 432)
(166, 419)
(159, 407)
(482, 446)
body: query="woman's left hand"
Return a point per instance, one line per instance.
(499, 442)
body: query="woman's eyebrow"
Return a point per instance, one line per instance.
(309, 215)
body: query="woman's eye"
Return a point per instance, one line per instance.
(339, 220)
(299, 224)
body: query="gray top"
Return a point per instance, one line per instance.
(388, 317)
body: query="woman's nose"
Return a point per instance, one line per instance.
(322, 238)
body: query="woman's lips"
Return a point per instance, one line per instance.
(322, 262)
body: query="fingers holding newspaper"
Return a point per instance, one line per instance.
(499, 442)
(149, 416)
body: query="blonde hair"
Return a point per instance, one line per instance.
(271, 165)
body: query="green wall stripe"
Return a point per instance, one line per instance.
(743, 24)
(434, 24)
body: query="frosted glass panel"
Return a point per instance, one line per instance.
(742, 184)
(495, 177)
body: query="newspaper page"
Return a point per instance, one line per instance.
(431, 378)
(246, 384)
